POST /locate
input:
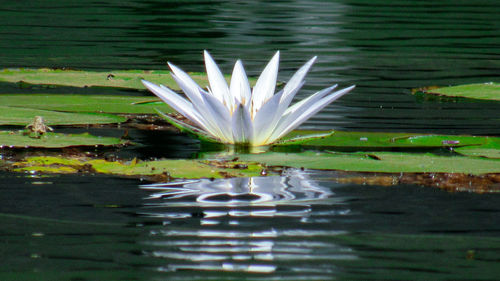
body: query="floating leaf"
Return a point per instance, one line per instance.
(76, 78)
(85, 103)
(142, 105)
(19, 139)
(480, 152)
(490, 150)
(381, 140)
(24, 116)
(485, 91)
(391, 162)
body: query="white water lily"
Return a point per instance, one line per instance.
(237, 114)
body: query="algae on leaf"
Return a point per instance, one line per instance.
(176, 168)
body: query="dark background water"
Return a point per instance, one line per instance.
(386, 48)
(95, 228)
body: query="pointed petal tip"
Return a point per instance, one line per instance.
(171, 66)
(146, 83)
(207, 55)
(331, 88)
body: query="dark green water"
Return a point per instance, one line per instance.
(385, 48)
(297, 227)
(303, 227)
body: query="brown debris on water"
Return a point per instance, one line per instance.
(163, 177)
(453, 182)
(487, 183)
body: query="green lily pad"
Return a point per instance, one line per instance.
(85, 103)
(390, 162)
(20, 139)
(490, 150)
(168, 168)
(381, 140)
(23, 116)
(144, 105)
(130, 79)
(480, 152)
(485, 91)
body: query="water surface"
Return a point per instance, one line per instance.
(386, 49)
(299, 226)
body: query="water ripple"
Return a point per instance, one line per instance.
(225, 237)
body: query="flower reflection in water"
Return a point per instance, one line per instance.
(293, 188)
(256, 224)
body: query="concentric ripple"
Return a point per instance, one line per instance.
(232, 228)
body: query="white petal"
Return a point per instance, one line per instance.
(275, 115)
(186, 108)
(286, 116)
(221, 116)
(285, 101)
(192, 93)
(177, 102)
(297, 79)
(310, 99)
(240, 88)
(188, 128)
(266, 119)
(210, 121)
(305, 112)
(264, 88)
(218, 84)
(185, 78)
(198, 97)
(242, 125)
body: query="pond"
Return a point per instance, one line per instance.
(301, 225)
